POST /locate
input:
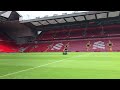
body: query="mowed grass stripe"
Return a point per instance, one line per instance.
(82, 65)
(36, 67)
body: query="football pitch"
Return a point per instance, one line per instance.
(75, 65)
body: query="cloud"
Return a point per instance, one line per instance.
(33, 14)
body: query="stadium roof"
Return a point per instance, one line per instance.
(8, 15)
(75, 17)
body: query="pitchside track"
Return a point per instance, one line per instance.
(57, 66)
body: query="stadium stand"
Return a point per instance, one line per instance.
(57, 46)
(8, 46)
(77, 33)
(46, 36)
(91, 37)
(112, 30)
(94, 32)
(40, 47)
(80, 40)
(62, 34)
(94, 40)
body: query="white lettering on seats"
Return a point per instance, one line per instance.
(57, 46)
(99, 44)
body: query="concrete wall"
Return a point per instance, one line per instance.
(16, 31)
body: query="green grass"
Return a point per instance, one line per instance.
(57, 66)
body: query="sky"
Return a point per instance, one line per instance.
(33, 14)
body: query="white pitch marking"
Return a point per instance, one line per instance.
(37, 66)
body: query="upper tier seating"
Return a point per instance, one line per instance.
(62, 34)
(100, 31)
(77, 33)
(113, 30)
(94, 32)
(49, 35)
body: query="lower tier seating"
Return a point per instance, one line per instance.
(81, 45)
(8, 47)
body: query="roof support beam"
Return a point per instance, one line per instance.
(74, 19)
(119, 13)
(40, 23)
(107, 14)
(96, 16)
(65, 19)
(85, 17)
(56, 20)
(47, 21)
